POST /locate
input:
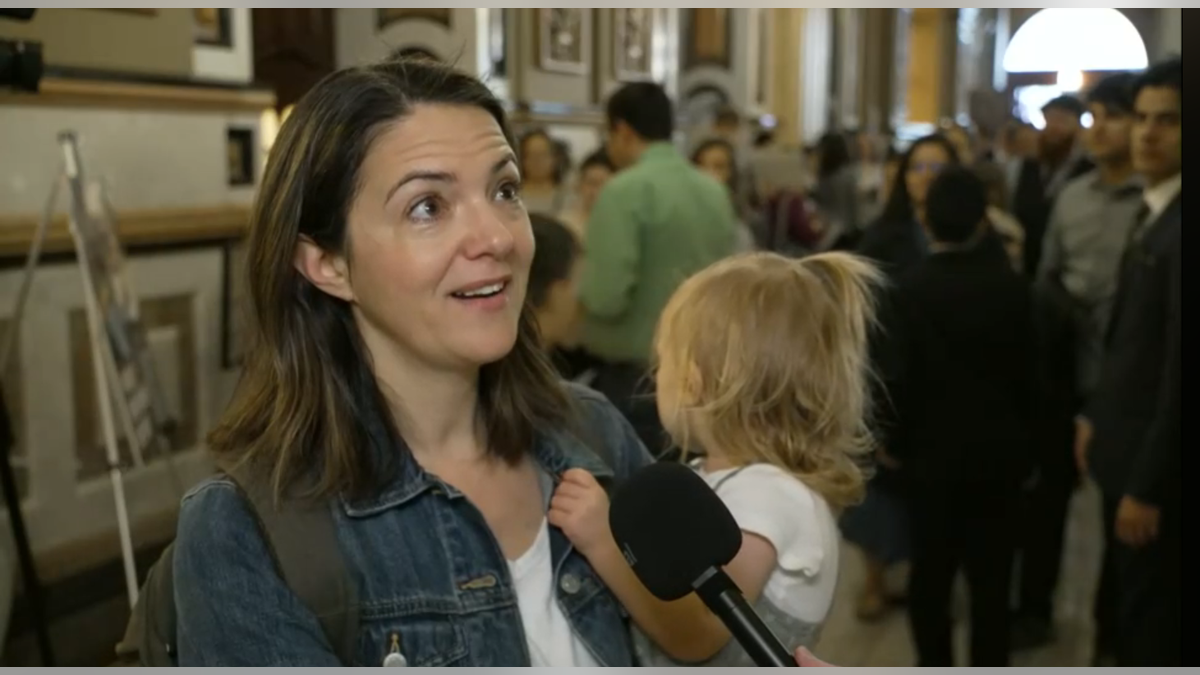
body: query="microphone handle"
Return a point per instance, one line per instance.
(724, 598)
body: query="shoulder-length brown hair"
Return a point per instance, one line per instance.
(308, 412)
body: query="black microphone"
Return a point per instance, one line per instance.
(676, 534)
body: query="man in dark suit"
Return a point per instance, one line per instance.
(1061, 158)
(1129, 435)
(959, 362)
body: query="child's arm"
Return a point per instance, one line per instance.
(685, 629)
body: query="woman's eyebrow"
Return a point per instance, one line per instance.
(443, 176)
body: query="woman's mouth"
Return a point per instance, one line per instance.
(488, 291)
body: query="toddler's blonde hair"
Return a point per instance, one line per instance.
(770, 363)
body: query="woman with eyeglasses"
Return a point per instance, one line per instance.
(896, 241)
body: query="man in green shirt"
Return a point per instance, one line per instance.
(657, 222)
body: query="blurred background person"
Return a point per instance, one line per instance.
(1006, 227)
(716, 158)
(543, 174)
(959, 362)
(1129, 434)
(1019, 143)
(870, 158)
(837, 193)
(554, 295)
(656, 222)
(1061, 157)
(897, 242)
(593, 175)
(1086, 238)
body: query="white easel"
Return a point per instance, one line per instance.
(129, 391)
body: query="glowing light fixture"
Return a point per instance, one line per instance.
(1070, 80)
(1069, 40)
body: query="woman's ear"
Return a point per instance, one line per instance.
(323, 269)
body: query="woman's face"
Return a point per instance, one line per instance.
(927, 161)
(591, 182)
(717, 163)
(439, 244)
(539, 159)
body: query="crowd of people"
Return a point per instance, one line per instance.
(991, 347)
(451, 320)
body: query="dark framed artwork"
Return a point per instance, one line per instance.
(561, 34)
(708, 37)
(498, 41)
(388, 16)
(213, 27)
(239, 156)
(633, 48)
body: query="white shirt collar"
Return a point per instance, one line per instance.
(1159, 197)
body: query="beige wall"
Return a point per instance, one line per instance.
(114, 40)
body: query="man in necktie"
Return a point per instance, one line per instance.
(1129, 435)
(1089, 230)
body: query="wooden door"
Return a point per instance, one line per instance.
(293, 49)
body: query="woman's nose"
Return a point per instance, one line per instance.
(489, 233)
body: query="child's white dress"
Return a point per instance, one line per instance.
(773, 504)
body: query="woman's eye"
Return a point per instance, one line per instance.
(426, 209)
(508, 192)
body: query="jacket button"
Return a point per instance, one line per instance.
(570, 584)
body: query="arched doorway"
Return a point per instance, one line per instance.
(1062, 50)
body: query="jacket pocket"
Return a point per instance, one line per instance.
(422, 641)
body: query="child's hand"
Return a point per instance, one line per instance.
(580, 509)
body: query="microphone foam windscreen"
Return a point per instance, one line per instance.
(672, 528)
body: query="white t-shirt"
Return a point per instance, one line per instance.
(551, 641)
(773, 504)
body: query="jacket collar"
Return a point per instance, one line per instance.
(555, 451)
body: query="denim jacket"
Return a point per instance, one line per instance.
(428, 569)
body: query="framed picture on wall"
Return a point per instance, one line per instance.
(561, 34)
(708, 37)
(388, 16)
(239, 156)
(212, 27)
(633, 43)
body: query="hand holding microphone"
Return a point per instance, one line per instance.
(677, 535)
(669, 527)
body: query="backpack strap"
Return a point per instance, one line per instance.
(303, 540)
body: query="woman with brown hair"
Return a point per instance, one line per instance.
(396, 381)
(544, 169)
